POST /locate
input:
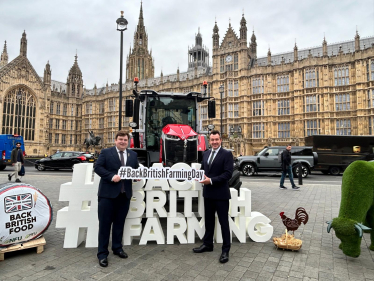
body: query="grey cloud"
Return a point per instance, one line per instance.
(55, 29)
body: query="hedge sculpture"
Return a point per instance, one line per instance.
(356, 212)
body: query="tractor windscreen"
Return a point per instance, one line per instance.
(162, 111)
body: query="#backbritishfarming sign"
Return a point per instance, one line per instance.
(148, 201)
(25, 213)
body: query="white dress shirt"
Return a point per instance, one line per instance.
(124, 155)
(214, 157)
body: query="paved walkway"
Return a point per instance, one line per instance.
(319, 258)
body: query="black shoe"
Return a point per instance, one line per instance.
(224, 257)
(9, 177)
(103, 262)
(202, 249)
(121, 254)
(296, 187)
(282, 187)
(18, 180)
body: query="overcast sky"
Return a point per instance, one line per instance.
(56, 29)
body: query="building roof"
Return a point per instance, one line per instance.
(332, 49)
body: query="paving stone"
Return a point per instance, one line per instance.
(320, 258)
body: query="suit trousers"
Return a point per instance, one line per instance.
(211, 206)
(112, 214)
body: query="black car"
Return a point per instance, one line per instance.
(63, 160)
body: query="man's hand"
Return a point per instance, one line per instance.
(116, 178)
(12, 164)
(206, 180)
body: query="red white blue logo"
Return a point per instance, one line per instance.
(17, 203)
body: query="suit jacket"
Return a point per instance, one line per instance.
(107, 166)
(220, 172)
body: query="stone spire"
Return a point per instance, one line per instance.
(357, 41)
(140, 36)
(4, 56)
(47, 75)
(141, 19)
(198, 39)
(253, 45)
(243, 30)
(324, 47)
(75, 81)
(139, 62)
(23, 48)
(215, 36)
(269, 57)
(295, 53)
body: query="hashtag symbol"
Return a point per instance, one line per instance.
(122, 172)
(81, 213)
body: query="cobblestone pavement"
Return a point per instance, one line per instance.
(319, 258)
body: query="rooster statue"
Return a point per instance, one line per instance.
(301, 216)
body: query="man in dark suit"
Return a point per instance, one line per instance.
(114, 195)
(218, 164)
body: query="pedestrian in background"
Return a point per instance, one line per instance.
(287, 168)
(18, 160)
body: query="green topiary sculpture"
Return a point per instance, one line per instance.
(356, 212)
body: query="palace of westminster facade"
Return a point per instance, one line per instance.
(274, 100)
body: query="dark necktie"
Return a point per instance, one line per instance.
(122, 164)
(211, 158)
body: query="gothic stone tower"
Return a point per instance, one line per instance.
(139, 61)
(74, 81)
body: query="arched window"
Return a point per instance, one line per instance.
(19, 113)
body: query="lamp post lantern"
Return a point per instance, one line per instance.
(232, 130)
(121, 26)
(221, 89)
(19, 96)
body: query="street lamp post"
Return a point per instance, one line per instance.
(221, 89)
(121, 26)
(19, 96)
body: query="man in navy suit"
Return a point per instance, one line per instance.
(218, 165)
(114, 195)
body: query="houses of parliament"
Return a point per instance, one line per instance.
(272, 100)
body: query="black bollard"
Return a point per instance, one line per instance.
(300, 174)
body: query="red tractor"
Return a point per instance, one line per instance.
(166, 128)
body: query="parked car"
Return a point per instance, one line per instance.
(267, 160)
(63, 160)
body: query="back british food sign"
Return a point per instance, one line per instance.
(25, 213)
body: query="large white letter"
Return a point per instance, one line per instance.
(200, 204)
(172, 204)
(188, 195)
(137, 205)
(263, 231)
(157, 204)
(243, 202)
(133, 227)
(152, 232)
(176, 226)
(193, 225)
(238, 227)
